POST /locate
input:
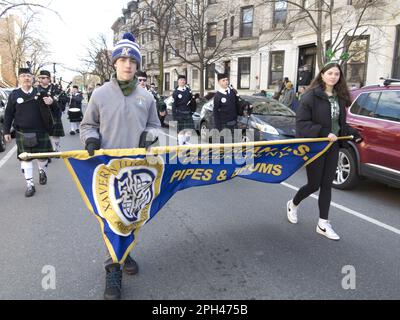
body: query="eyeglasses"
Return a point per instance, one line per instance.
(142, 79)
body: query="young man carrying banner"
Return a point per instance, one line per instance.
(120, 115)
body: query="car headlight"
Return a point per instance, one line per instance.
(267, 129)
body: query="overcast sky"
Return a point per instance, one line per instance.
(81, 20)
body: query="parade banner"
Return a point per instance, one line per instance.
(125, 189)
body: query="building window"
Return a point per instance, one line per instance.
(168, 52)
(227, 68)
(152, 57)
(225, 28)
(244, 73)
(167, 81)
(143, 38)
(356, 66)
(277, 61)
(210, 77)
(212, 2)
(396, 59)
(143, 62)
(232, 26)
(211, 35)
(195, 79)
(280, 13)
(246, 22)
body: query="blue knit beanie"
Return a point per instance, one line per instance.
(127, 48)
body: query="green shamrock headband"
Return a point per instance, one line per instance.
(330, 55)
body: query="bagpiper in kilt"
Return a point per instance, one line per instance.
(227, 107)
(182, 109)
(57, 129)
(29, 112)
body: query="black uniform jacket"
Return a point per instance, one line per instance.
(314, 120)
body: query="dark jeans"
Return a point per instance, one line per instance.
(320, 175)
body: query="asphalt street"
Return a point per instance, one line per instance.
(226, 241)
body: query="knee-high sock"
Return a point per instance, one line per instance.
(181, 139)
(56, 143)
(42, 164)
(27, 170)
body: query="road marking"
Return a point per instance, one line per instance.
(352, 212)
(8, 156)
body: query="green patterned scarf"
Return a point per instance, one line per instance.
(127, 87)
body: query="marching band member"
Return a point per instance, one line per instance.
(30, 112)
(120, 114)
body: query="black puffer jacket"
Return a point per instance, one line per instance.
(313, 117)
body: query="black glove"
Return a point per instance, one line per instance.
(91, 145)
(146, 140)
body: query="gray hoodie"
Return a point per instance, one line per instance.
(118, 120)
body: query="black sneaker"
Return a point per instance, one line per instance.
(130, 266)
(72, 133)
(30, 191)
(113, 282)
(42, 177)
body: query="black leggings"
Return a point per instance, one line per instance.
(320, 175)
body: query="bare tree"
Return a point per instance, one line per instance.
(334, 32)
(24, 43)
(157, 15)
(200, 35)
(7, 5)
(98, 59)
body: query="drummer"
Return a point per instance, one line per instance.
(75, 110)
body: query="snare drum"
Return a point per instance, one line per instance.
(75, 115)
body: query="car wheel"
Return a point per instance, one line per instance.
(205, 131)
(2, 142)
(346, 176)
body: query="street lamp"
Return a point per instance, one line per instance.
(54, 72)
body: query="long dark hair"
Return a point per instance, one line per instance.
(340, 88)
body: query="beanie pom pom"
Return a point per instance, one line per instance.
(129, 36)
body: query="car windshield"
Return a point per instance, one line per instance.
(271, 108)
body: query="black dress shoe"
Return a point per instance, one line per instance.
(42, 177)
(77, 130)
(113, 282)
(30, 191)
(72, 133)
(130, 266)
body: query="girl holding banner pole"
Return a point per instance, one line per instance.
(322, 113)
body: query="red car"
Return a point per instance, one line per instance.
(375, 113)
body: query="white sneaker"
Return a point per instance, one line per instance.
(326, 229)
(291, 212)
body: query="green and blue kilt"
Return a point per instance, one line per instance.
(185, 122)
(44, 143)
(58, 129)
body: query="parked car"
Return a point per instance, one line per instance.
(200, 102)
(375, 113)
(3, 97)
(270, 120)
(2, 141)
(3, 104)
